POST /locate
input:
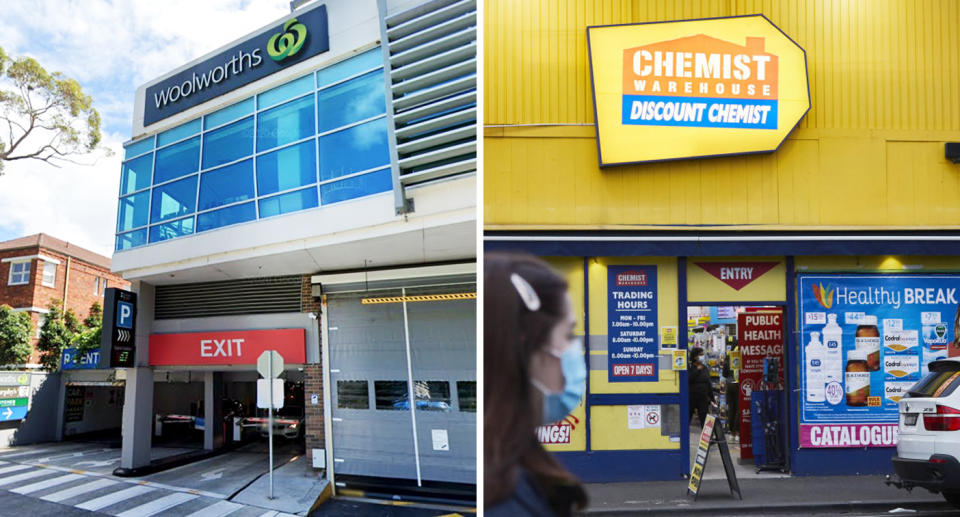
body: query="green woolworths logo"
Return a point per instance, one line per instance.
(285, 44)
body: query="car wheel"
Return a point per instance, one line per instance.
(952, 498)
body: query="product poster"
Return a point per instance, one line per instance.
(759, 336)
(632, 324)
(864, 341)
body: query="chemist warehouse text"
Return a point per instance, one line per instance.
(700, 81)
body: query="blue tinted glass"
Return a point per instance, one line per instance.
(232, 112)
(287, 168)
(132, 211)
(131, 240)
(351, 101)
(178, 133)
(228, 143)
(353, 150)
(177, 160)
(285, 91)
(226, 185)
(138, 147)
(136, 174)
(357, 186)
(162, 232)
(284, 124)
(226, 216)
(352, 66)
(173, 199)
(290, 202)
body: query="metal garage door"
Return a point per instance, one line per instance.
(385, 345)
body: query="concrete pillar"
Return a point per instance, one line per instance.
(212, 410)
(137, 418)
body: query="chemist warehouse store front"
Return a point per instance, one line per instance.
(813, 254)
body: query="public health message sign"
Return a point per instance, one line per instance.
(696, 88)
(866, 339)
(632, 324)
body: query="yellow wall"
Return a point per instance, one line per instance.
(885, 91)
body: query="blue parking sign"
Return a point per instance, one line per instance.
(125, 315)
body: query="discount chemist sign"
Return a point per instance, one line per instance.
(685, 89)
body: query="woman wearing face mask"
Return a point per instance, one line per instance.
(701, 390)
(535, 374)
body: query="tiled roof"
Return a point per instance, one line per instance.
(53, 244)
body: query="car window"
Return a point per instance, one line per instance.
(936, 384)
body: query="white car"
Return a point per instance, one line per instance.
(929, 446)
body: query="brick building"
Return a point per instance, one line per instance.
(37, 269)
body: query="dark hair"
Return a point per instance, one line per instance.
(512, 407)
(695, 353)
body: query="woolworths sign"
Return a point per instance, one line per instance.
(269, 51)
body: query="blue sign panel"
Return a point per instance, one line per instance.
(125, 315)
(13, 413)
(267, 52)
(632, 333)
(71, 360)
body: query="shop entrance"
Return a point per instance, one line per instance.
(386, 348)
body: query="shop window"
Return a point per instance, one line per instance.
(286, 123)
(178, 133)
(352, 395)
(177, 160)
(350, 67)
(137, 148)
(226, 216)
(432, 395)
(226, 185)
(228, 143)
(290, 202)
(19, 273)
(467, 395)
(391, 395)
(356, 186)
(286, 169)
(356, 149)
(174, 199)
(49, 274)
(129, 240)
(133, 211)
(173, 229)
(228, 114)
(351, 101)
(136, 174)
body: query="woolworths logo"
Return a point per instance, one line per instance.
(288, 42)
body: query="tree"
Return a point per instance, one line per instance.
(89, 337)
(59, 331)
(47, 115)
(15, 330)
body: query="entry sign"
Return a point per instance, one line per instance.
(118, 340)
(263, 364)
(694, 88)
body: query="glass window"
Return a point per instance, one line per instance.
(179, 228)
(178, 133)
(19, 273)
(350, 67)
(935, 383)
(174, 199)
(133, 211)
(288, 168)
(353, 150)
(137, 148)
(131, 240)
(354, 100)
(284, 124)
(177, 160)
(290, 202)
(228, 143)
(232, 112)
(96, 286)
(467, 395)
(356, 186)
(226, 216)
(285, 91)
(136, 174)
(49, 274)
(352, 395)
(391, 395)
(432, 395)
(226, 185)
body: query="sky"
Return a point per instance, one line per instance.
(110, 48)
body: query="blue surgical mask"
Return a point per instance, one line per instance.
(557, 405)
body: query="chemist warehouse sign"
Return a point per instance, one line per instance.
(698, 88)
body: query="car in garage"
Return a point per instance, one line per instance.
(287, 423)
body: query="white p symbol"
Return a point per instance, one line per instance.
(125, 313)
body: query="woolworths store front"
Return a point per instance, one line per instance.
(728, 183)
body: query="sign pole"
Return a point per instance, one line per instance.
(270, 424)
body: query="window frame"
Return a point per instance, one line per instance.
(43, 276)
(28, 272)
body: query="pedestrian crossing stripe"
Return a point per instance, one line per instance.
(420, 298)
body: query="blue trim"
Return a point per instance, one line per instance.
(842, 462)
(586, 336)
(625, 399)
(616, 466)
(684, 391)
(793, 382)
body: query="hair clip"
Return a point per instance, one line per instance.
(526, 292)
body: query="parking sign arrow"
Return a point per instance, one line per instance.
(7, 413)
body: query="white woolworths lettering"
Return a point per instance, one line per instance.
(221, 347)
